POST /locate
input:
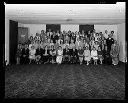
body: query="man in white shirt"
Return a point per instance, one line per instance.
(106, 34)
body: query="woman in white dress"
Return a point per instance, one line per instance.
(59, 55)
(32, 53)
(87, 55)
(94, 55)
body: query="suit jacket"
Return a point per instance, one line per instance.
(56, 37)
(39, 51)
(73, 53)
(109, 42)
(66, 52)
(25, 52)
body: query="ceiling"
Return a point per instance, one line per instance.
(66, 13)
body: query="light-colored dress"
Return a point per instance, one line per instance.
(94, 54)
(87, 55)
(59, 56)
(32, 53)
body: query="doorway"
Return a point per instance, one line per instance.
(86, 28)
(13, 40)
(53, 27)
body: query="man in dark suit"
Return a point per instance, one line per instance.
(73, 54)
(39, 54)
(53, 37)
(110, 41)
(56, 37)
(66, 53)
(25, 54)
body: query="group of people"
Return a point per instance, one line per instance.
(69, 47)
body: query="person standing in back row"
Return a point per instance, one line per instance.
(110, 41)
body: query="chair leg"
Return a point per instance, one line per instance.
(30, 61)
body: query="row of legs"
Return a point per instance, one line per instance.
(65, 59)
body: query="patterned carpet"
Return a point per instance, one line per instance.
(65, 81)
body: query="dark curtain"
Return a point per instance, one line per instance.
(53, 27)
(13, 40)
(86, 28)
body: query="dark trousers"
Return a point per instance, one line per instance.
(24, 60)
(107, 60)
(46, 58)
(73, 59)
(66, 59)
(53, 58)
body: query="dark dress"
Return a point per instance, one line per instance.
(80, 52)
(56, 37)
(53, 38)
(74, 38)
(100, 54)
(19, 52)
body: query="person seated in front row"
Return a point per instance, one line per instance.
(87, 55)
(25, 54)
(32, 53)
(80, 54)
(59, 55)
(73, 55)
(46, 55)
(100, 55)
(39, 55)
(66, 54)
(52, 55)
(94, 55)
